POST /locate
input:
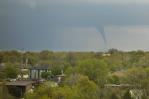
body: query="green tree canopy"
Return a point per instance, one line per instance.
(96, 70)
(11, 71)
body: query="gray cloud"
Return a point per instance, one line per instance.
(47, 2)
(32, 24)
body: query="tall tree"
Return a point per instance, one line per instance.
(11, 71)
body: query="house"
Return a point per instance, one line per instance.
(36, 71)
(19, 88)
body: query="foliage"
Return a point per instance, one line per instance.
(113, 79)
(46, 75)
(83, 89)
(96, 70)
(87, 73)
(11, 71)
(56, 70)
(86, 89)
(42, 92)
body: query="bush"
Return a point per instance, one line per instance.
(46, 75)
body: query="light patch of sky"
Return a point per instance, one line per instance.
(80, 38)
(128, 37)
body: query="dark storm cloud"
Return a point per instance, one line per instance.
(32, 24)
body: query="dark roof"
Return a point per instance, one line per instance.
(19, 83)
(40, 67)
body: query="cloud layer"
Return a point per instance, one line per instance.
(73, 24)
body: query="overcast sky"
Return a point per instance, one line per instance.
(74, 25)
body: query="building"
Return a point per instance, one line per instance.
(36, 71)
(19, 88)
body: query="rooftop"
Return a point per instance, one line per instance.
(19, 83)
(40, 67)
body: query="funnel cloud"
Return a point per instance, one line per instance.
(102, 32)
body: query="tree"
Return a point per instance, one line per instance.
(32, 58)
(42, 92)
(114, 79)
(96, 70)
(71, 58)
(113, 51)
(64, 92)
(56, 70)
(46, 55)
(138, 77)
(86, 89)
(46, 75)
(11, 71)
